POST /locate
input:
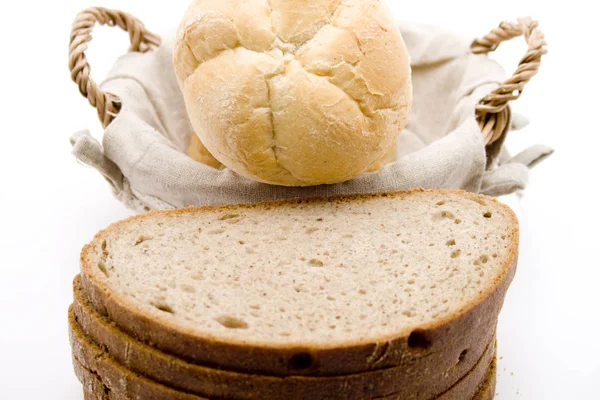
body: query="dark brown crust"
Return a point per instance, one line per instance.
(488, 388)
(470, 328)
(109, 380)
(486, 391)
(93, 389)
(176, 373)
(471, 385)
(89, 380)
(476, 382)
(122, 383)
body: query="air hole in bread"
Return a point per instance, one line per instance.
(316, 263)
(458, 221)
(301, 361)
(241, 242)
(451, 242)
(456, 253)
(141, 240)
(102, 267)
(441, 203)
(229, 216)
(216, 232)
(462, 356)
(487, 215)
(164, 307)
(230, 322)
(418, 341)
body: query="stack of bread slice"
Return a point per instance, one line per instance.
(388, 296)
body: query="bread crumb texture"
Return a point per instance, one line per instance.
(320, 272)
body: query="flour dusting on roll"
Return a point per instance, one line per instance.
(294, 92)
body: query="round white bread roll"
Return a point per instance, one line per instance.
(294, 92)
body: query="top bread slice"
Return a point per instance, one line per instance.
(318, 287)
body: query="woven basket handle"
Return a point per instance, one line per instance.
(107, 104)
(492, 112)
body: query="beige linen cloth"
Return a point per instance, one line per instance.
(143, 151)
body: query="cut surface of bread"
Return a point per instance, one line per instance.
(204, 381)
(310, 287)
(102, 375)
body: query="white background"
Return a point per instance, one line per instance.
(52, 206)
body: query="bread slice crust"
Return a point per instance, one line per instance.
(106, 379)
(469, 328)
(204, 381)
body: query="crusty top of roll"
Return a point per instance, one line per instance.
(294, 92)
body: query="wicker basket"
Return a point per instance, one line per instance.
(492, 113)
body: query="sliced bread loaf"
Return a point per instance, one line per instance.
(103, 376)
(94, 389)
(488, 388)
(474, 384)
(174, 372)
(116, 380)
(311, 287)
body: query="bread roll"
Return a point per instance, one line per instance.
(294, 92)
(198, 152)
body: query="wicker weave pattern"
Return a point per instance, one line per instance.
(492, 112)
(107, 104)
